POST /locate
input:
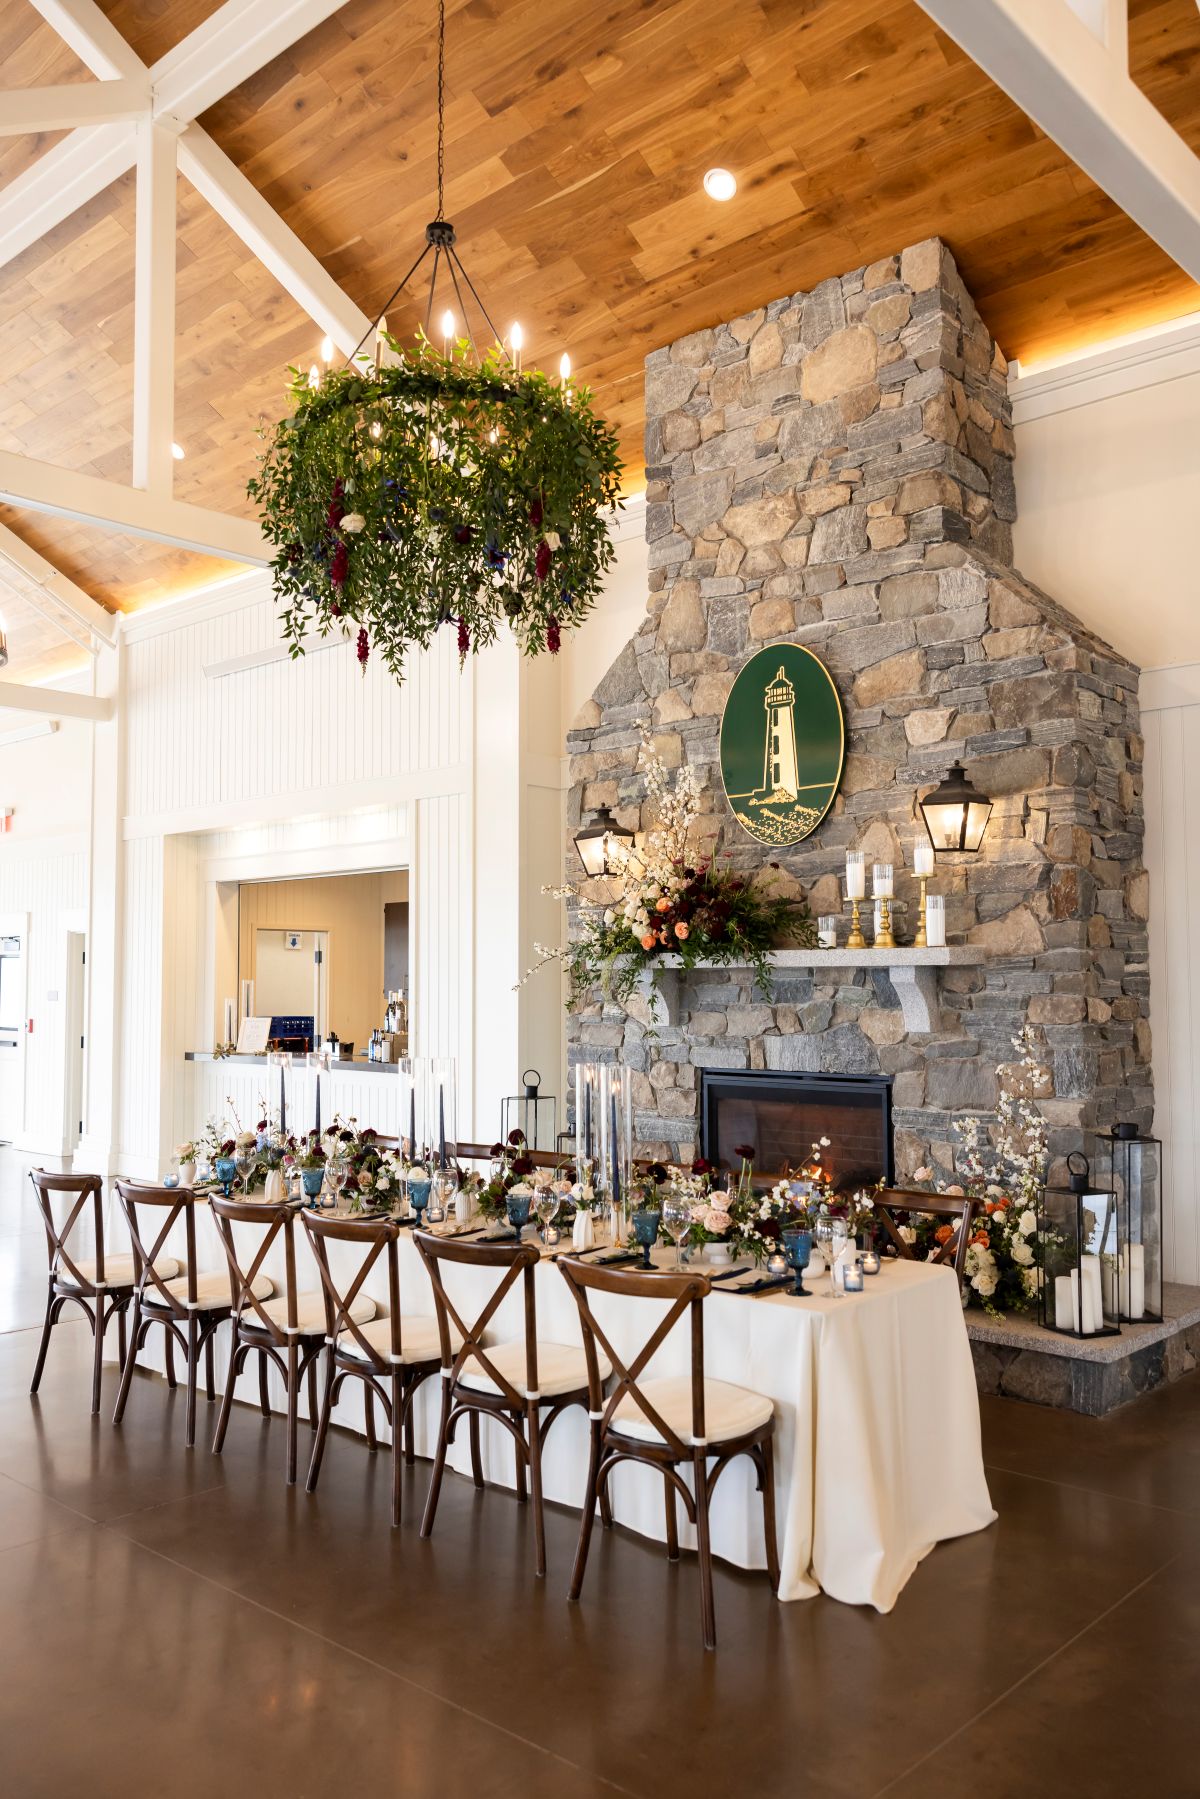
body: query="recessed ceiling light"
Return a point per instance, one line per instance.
(178, 452)
(719, 184)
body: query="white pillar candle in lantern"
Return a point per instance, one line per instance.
(923, 860)
(1066, 1302)
(856, 874)
(935, 921)
(882, 883)
(1137, 1280)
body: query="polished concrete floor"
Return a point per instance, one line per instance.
(172, 1623)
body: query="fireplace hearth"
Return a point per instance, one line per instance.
(781, 1114)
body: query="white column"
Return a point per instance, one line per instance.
(104, 947)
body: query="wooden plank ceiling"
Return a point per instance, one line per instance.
(577, 136)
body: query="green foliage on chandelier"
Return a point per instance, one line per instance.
(437, 490)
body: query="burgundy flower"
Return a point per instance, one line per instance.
(496, 1150)
(745, 1151)
(363, 648)
(700, 1166)
(228, 1147)
(462, 534)
(657, 1171)
(541, 564)
(369, 1135)
(516, 1137)
(536, 514)
(523, 1165)
(553, 637)
(339, 566)
(464, 639)
(336, 511)
(335, 610)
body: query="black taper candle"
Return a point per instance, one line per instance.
(282, 1102)
(318, 1105)
(616, 1156)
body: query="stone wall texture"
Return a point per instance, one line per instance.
(835, 469)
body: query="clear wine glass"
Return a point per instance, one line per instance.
(441, 1193)
(336, 1171)
(548, 1202)
(244, 1164)
(677, 1221)
(840, 1238)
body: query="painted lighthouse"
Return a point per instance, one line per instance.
(781, 778)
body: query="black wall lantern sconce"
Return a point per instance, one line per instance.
(955, 813)
(603, 844)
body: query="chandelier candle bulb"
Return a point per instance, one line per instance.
(314, 376)
(516, 338)
(447, 334)
(327, 350)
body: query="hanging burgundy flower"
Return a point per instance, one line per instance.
(553, 637)
(462, 534)
(464, 639)
(536, 514)
(542, 562)
(363, 648)
(339, 566)
(336, 511)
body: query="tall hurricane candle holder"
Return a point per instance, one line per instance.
(604, 1135)
(856, 892)
(1132, 1166)
(441, 1106)
(923, 868)
(412, 1106)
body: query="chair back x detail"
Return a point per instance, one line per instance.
(957, 1207)
(514, 1262)
(178, 1203)
(686, 1293)
(274, 1221)
(373, 1238)
(88, 1190)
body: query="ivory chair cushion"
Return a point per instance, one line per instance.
(562, 1368)
(212, 1290)
(310, 1313)
(118, 1271)
(729, 1411)
(419, 1340)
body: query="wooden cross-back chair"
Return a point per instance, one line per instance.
(524, 1385)
(286, 1333)
(190, 1308)
(100, 1285)
(958, 1209)
(391, 1356)
(668, 1422)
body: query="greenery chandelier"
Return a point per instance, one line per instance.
(430, 486)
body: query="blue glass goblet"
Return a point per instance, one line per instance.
(645, 1229)
(418, 1194)
(312, 1179)
(797, 1247)
(517, 1206)
(225, 1168)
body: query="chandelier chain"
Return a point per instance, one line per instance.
(441, 110)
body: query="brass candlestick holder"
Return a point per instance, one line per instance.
(920, 941)
(855, 940)
(883, 936)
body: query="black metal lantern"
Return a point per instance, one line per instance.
(1080, 1243)
(601, 843)
(1132, 1165)
(955, 813)
(533, 1112)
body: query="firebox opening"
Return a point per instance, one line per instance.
(781, 1115)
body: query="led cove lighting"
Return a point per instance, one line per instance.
(719, 184)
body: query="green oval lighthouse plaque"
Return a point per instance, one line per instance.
(783, 742)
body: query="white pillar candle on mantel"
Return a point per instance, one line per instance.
(882, 883)
(923, 860)
(827, 932)
(935, 920)
(856, 874)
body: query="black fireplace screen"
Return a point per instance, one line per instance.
(781, 1115)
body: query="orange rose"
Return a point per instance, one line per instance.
(990, 1206)
(981, 1237)
(944, 1233)
(681, 931)
(649, 940)
(663, 905)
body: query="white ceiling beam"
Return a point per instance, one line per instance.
(297, 270)
(40, 487)
(84, 28)
(1108, 22)
(29, 109)
(24, 733)
(34, 572)
(52, 702)
(1047, 60)
(238, 40)
(60, 182)
(154, 310)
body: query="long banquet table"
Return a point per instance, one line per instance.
(877, 1451)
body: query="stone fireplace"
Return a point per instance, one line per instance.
(835, 469)
(782, 1114)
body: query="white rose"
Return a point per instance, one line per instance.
(1021, 1252)
(1027, 1223)
(984, 1285)
(554, 540)
(907, 1233)
(352, 523)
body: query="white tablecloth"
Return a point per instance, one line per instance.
(877, 1445)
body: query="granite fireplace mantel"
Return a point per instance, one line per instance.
(914, 973)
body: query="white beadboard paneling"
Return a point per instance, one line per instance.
(140, 1027)
(281, 729)
(1173, 860)
(233, 1092)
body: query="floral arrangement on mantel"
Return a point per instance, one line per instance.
(1006, 1253)
(433, 490)
(664, 900)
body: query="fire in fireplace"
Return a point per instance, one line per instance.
(783, 1114)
